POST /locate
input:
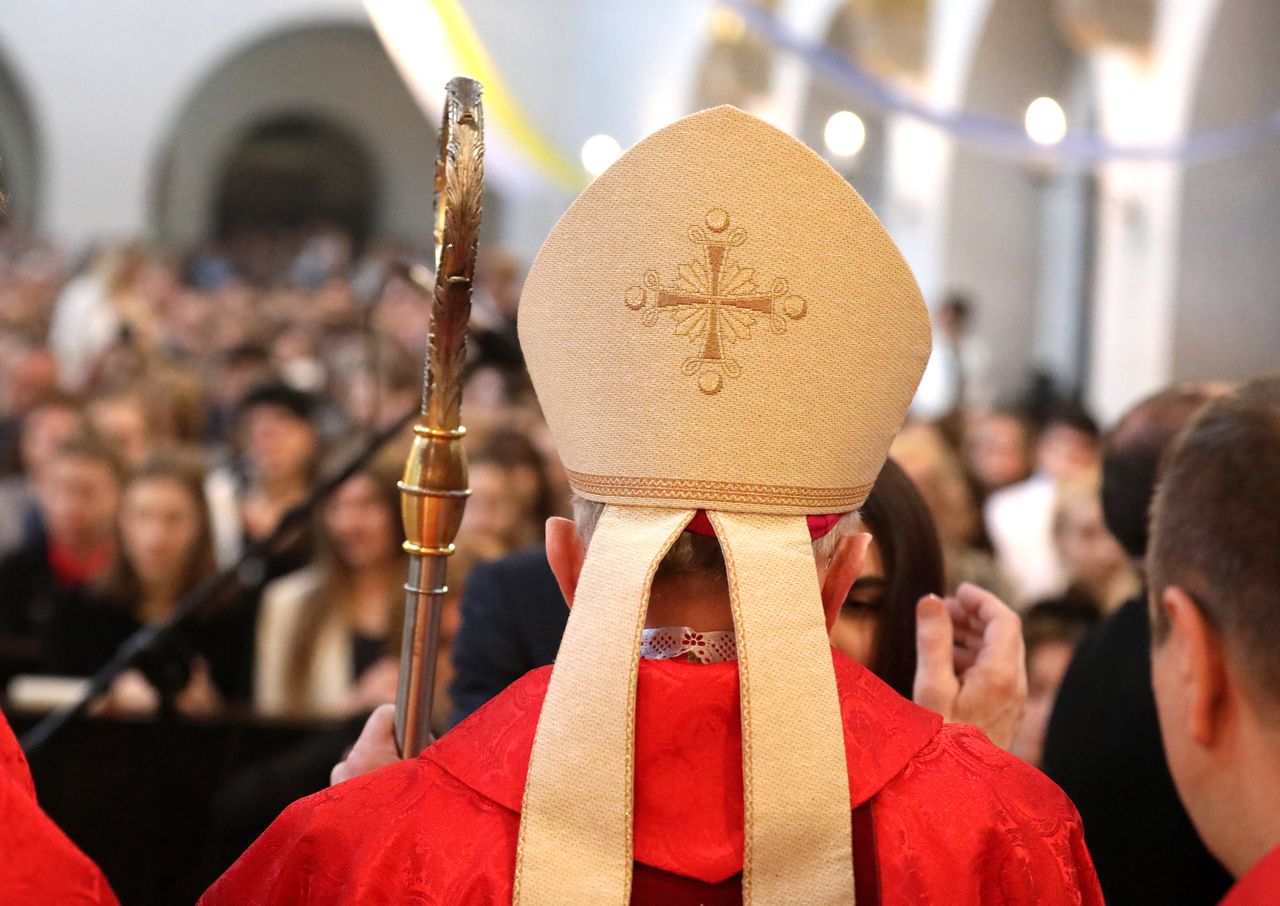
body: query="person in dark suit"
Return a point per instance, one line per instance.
(1103, 742)
(512, 618)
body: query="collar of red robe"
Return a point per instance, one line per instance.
(688, 746)
(819, 525)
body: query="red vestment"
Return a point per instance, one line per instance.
(952, 819)
(38, 863)
(1259, 886)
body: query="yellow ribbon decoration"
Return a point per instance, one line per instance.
(472, 59)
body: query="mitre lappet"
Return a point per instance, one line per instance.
(719, 330)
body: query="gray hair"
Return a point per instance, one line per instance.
(695, 555)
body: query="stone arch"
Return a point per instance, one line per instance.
(19, 149)
(324, 78)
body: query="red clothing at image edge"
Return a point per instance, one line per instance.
(1259, 886)
(955, 819)
(38, 863)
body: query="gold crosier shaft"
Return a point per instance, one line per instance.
(434, 490)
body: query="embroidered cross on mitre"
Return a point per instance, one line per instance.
(715, 302)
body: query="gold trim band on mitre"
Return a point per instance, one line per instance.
(816, 500)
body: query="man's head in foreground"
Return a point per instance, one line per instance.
(1214, 571)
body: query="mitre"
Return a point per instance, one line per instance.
(719, 325)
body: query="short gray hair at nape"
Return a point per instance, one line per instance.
(693, 555)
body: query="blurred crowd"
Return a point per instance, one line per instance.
(159, 415)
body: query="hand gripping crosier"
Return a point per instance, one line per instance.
(434, 490)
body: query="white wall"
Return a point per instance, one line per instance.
(1227, 322)
(110, 78)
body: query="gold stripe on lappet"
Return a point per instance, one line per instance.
(575, 843)
(797, 837)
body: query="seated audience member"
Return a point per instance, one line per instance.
(499, 278)
(28, 376)
(120, 416)
(1094, 564)
(933, 466)
(1019, 517)
(529, 483)
(79, 492)
(877, 625)
(376, 387)
(46, 425)
(1215, 628)
(1051, 629)
(512, 617)
(998, 448)
(1103, 743)
(235, 373)
(279, 450)
(492, 524)
(164, 550)
(328, 635)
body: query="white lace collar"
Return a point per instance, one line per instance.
(667, 642)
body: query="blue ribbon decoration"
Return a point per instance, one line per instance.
(993, 133)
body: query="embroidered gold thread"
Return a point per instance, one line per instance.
(723, 491)
(714, 302)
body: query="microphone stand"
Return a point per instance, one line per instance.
(250, 564)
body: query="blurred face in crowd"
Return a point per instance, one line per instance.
(484, 399)
(854, 632)
(79, 496)
(1089, 553)
(279, 445)
(1063, 452)
(43, 431)
(1046, 666)
(31, 374)
(160, 525)
(998, 450)
(122, 421)
(491, 514)
(367, 403)
(364, 531)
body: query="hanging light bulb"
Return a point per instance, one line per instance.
(598, 152)
(1045, 122)
(845, 133)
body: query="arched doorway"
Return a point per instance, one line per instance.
(19, 150)
(1017, 235)
(292, 173)
(1227, 321)
(307, 122)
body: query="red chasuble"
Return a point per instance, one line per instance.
(940, 815)
(1259, 886)
(38, 864)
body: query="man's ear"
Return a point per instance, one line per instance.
(565, 554)
(1199, 665)
(842, 572)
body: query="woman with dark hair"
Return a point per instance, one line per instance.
(877, 624)
(164, 549)
(327, 634)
